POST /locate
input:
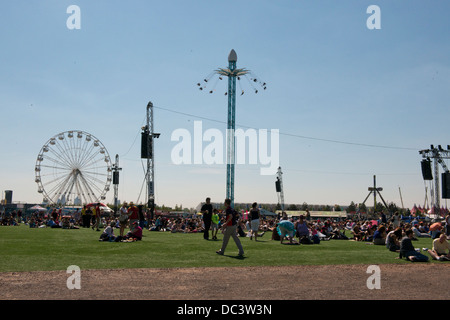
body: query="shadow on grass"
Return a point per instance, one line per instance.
(238, 257)
(235, 257)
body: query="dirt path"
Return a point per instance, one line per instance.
(415, 281)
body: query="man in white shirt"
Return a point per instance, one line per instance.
(441, 248)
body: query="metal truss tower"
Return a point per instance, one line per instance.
(438, 154)
(147, 152)
(279, 188)
(116, 169)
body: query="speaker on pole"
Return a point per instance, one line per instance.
(116, 177)
(278, 186)
(426, 170)
(146, 152)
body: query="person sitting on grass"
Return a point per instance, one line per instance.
(358, 233)
(33, 223)
(407, 249)
(441, 248)
(338, 232)
(52, 224)
(419, 234)
(302, 231)
(368, 235)
(108, 233)
(135, 234)
(379, 236)
(392, 239)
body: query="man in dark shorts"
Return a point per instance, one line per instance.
(207, 214)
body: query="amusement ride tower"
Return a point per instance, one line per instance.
(233, 74)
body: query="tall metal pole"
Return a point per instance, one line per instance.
(401, 198)
(374, 193)
(150, 162)
(116, 183)
(231, 125)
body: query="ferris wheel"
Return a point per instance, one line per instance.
(73, 167)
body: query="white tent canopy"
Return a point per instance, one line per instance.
(38, 208)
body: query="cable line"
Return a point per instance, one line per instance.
(293, 135)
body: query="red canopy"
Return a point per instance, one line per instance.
(94, 204)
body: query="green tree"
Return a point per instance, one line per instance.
(379, 208)
(362, 208)
(351, 207)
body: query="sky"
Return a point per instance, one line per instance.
(349, 101)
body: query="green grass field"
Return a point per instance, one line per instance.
(25, 249)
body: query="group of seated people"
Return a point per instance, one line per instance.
(440, 250)
(307, 232)
(135, 234)
(400, 240)
(397, 239)
(370, 230)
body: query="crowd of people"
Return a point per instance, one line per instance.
(394, 233)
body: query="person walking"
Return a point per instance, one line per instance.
(215, 224)
(230, 226)
(97, 216)
(206, 210)
(255, 220)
